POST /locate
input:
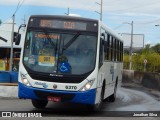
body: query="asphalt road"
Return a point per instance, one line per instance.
(129, 102)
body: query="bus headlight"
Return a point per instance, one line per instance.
(25, 80)
(88, 85)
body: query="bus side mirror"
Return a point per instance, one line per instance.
(17, 39)
(18, 36)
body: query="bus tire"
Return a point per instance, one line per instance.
(112, 98)
(98, 106)
(40, 104)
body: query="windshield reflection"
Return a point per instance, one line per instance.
(60, 53)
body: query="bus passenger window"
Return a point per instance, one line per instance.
(115, 49)
(108, 46)
(101, 50)
(112, 49)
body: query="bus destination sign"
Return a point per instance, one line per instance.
(60, 24)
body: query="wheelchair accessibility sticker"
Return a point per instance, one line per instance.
(64, 67)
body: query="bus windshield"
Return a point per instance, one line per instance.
(60, 53)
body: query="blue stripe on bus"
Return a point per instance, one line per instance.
(86, 97)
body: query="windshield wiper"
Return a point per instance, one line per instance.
(71, 41)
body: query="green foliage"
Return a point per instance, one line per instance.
(156, 48)
(126, 61)
(151, 54)
(0, 22)
(126, 52)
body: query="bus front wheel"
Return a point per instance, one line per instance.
(98, 106)
(40, 104)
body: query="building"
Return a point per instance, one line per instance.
(5, 47)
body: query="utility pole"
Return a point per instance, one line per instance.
(101, 11)
(131, 47)
(68, 11)
(12, 37)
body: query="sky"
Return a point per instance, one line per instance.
(145, 14)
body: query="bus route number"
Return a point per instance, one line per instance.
(46, 59)
(69, 25)
(46, 23)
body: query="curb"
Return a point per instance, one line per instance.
(8, 84)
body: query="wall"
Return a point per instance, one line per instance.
(146, 79)
(8, 77)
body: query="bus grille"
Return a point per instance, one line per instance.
(64, 79)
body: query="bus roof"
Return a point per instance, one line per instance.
(64, 17)
(110, 31)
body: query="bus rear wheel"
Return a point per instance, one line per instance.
(40, 104)
(112, 98)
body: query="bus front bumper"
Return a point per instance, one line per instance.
(85, 97)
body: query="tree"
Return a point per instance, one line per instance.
(151, 54)
(147, 49)
(0, 22)
(156, 48)
(126, 52)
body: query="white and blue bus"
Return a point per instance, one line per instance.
(69, 59)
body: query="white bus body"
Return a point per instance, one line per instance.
(66, 84)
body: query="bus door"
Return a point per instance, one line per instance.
(101, 60)
(100, 76)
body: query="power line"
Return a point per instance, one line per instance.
(17, 8)
(118, 26)
(19, 5)
(12, 36)
(6, 21)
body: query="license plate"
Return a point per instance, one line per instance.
(54, 99)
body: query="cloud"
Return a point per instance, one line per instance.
(74, 4)
(144, 13)
(114, 6)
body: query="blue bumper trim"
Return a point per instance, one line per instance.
(87, 97)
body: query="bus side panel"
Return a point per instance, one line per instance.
(104, 76)
(109, 89)
(118, 68)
